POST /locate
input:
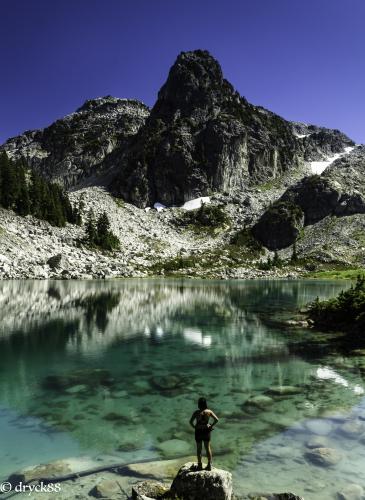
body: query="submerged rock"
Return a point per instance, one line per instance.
(53, 469)
(106, 489)
(191, 484)
(76, 389)
(351, 492)
(352, 429)
(319, 427)
(167, 382)
(325, 457)
(87, 377)
(118, 417)
(173, 447)
(317, 442)
(260, 401)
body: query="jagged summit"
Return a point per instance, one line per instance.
(195, 81)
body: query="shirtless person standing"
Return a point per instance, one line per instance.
(203, 430)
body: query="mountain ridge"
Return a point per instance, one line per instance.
(200, 136)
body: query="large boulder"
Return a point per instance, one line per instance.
(57, 261)
(193, 484)
(279, 226)
(149, 489)
(317, 197)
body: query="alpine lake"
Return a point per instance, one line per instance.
(113, 369)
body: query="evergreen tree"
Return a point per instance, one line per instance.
(22, 204)
(35, 195)
(102, 229)
(31, 194)
(78, 213)
(294, 255)
(91, 234)
(9, 187)
(276, 262)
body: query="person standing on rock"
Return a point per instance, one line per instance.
(200, 422)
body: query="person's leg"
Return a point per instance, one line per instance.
(208, 450)
(199, 452)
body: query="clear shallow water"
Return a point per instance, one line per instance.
(113, 368)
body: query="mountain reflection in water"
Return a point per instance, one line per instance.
(115, 367)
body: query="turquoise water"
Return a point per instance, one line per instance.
(114, 368)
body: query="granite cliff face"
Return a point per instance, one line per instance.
(75, 148)
(203, 137)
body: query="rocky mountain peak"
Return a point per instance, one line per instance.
(195, 84)
(75, 148)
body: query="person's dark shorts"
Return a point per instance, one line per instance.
(202, 434)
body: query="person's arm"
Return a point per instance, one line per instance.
(215, 419)
(191, 422)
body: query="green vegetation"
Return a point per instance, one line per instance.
(344, 274)
(280, 209)
(276, 261)
(98, 233)
(228, 256)
(208, 220)
(346, 312)
(206, 217)
(27, 193)
(245, 238)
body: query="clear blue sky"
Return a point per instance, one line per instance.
(303, 59)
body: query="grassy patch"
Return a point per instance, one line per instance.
(208, 219)
(337, 274)
(229, 256)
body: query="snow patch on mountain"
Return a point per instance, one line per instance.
(196, 203)
(317, 167)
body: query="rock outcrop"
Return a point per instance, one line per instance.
(192, 484)
(317, 143)
(338, 191)
(280, 225)
(76, 147)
